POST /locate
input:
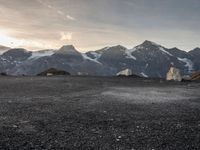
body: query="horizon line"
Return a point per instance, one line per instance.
(95, 49)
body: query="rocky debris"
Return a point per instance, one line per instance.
(174, 74)
(53, 72)
(70, 113)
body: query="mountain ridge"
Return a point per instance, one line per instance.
(147, 59)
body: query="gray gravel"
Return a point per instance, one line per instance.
(98, 113)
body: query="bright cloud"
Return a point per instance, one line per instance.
(66, 36)
(10, 41)
(70, 18)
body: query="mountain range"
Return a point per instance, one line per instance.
(148, 60)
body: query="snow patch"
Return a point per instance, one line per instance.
(163, 50)
(96, 55)
(129, 53)
(188, 63)
(146, 66)
(39, 54)
(144, 75)
(88, 58)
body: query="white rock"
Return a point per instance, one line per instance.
(174, 74)
(126, 72)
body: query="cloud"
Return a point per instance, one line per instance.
(70, 18)
(49, 6)
(126, 22)
(66, 36)
(58, 11)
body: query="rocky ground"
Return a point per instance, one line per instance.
(91, 113)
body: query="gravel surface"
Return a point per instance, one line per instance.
(91, 113)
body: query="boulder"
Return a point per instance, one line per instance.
(174, 74)
(126, 72)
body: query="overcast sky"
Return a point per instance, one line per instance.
(93, 24)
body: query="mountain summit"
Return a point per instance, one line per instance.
(67, 50)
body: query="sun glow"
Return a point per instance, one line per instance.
(6, 40)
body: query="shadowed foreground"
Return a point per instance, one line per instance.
(98, 113)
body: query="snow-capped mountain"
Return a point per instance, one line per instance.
(154, 60)
(148, 59)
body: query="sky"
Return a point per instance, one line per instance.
(94, 24)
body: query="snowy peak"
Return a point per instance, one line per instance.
(151, 47)
(67, 50)
(119, 47)
(112, 49)
(115, 52)
(149, 43)
(148, 60)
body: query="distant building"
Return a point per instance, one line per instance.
(53, 72)
(174, 74)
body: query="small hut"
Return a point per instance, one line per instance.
(53, 72)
